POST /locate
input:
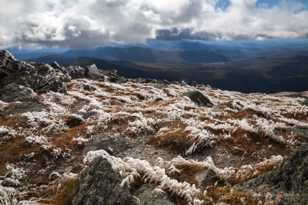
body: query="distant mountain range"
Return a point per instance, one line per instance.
(249, 66)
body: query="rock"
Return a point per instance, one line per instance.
(22, 107)
(49, 79)
(146, 196)
(9, 182)
(37, 76)
(54, 175)
(198, 98)
(114, 145)
(14, 92)
(112, 76)
(56, 65)
(7, 64)
(4, 131)
(209, 178)
(290, 178)
(301, 130)
(76, 71)
(74, 120)
(100, 185)
(20, 99)
(89, 88)
(6, 58)
(92, 71)
(306, 102)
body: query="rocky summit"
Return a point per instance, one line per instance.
(85, 136)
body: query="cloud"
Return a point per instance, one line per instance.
(244, 18)
(79, 23)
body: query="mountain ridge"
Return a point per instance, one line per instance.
(73, 135)
(263, 74)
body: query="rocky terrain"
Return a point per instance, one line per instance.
(80, 135)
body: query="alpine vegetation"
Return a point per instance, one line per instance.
(86, 135)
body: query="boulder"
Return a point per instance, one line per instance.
(210, 178)
(22, 107)
(91, 72)
(290, 178)
(113, 76)
(145, 196)
(100, 185)
(9, 182)
(37, 76)
(198, 98)
(6, 58)
(76, 71)
(56, 65)
(306, 102)
(113, 145)
(14, 92)
(74, 120)
(4, 131)
(94, 73)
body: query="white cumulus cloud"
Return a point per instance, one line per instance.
(80, 23)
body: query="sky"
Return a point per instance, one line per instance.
(87, 23)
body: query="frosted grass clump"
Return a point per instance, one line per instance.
(131, 168)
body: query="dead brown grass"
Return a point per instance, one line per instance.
(176, 138)
(15, 149)
(231, 196)
(65, 140)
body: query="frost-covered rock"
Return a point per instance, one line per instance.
(15, 172)
(14, 92)
(9, 182)
(92, 71)
(131, 170)
(148, 195)
(37, 118)
(36, 139)
(291, 178)
(198, 98)
(74, 120)
(37, 76)
(4, 131)
(101, 184)
(76, 71)
(81, 141)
